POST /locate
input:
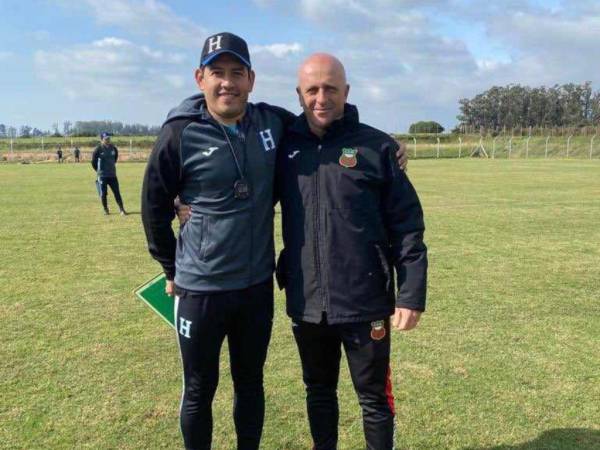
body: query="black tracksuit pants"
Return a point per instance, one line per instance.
(113, 182)
(368, 354)
(203, 320)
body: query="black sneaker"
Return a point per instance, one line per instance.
(106, 213)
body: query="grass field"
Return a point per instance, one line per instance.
(506, 357)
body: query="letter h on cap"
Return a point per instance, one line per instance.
(214, 43)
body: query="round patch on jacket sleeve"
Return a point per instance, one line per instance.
(348, 157)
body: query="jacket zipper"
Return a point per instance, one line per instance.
(241, 137)
(316, 229)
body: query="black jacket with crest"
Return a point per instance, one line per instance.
(350, 217)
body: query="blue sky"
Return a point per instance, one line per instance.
(407, 60)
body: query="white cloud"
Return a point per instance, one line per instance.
(147, 18)
(177, 81)
(277, 50)
(109, 69)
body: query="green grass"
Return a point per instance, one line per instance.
(505, 358)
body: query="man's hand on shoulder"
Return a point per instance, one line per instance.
(402, 156)
(405, 319)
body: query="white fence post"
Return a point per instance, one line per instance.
(510, 147)
(494, 147)
(459, 146)
(415, 146)
(527, 147)
(568, 145)
(546, 151)
(592, 146)
(438, 147)
(11, 146)
(130, 145)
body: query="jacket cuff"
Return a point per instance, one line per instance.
(411, 304)
(169, 273)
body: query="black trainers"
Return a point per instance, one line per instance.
(106, 213)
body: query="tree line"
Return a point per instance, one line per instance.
(502, 108)
(80, 128)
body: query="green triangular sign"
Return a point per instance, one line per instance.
(153, 294)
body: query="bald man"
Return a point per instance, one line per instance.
(350, 218)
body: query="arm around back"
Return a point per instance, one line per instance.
(161, 185)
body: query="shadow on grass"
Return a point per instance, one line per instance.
(558, 439)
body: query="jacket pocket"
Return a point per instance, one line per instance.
(203, 239)
(357, 262)
(190, 240)
(384, 261)
(226, 244)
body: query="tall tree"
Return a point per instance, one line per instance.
(25, 131)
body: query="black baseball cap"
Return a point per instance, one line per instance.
(105, 135)
(220, 43)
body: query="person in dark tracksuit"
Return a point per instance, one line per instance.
(350, 217)
(104, 160)
(217, 153)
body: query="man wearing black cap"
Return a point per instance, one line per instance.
(104, 160)
(216, 152)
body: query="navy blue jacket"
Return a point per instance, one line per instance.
(104, 160)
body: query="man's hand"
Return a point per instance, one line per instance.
(402, 156)
(170, 288)
(405, 319)
(184, 212)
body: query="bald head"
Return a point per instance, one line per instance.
(319, 63)
(322, 90)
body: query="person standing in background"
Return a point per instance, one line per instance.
(104, 160)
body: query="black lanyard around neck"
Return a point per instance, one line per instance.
(235, 158)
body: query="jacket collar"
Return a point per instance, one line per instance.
(350, 119)
(194, 107)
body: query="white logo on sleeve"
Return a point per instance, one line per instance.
(293, 154)
(267, 139)
(185, 327)
(214, 43)
(210, 151)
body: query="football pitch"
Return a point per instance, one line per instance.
(506, 357)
